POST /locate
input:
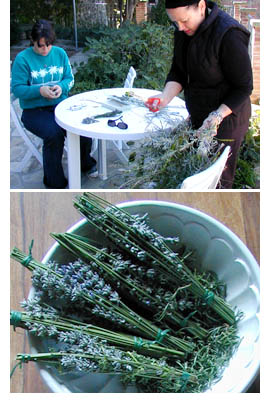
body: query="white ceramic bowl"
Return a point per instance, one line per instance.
(220, 250)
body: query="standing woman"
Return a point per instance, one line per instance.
(41, 78)
(212, 65)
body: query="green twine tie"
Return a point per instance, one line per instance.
(160, 335)
(15, 318)
(24, 359)
(184, 380)
(209, 297)
(139, 342)
(25, 262)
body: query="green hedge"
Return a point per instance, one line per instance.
(147, 47)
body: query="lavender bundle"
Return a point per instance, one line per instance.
(132, 279)
(76, 283)
(46, 321)
(94, 355)
(135, 308)
(132, 234)
(91, 354)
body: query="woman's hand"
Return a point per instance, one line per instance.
(155, 103)
(57, 90)
(211, 124)
(50, 92)
(214, 119)
(170, 90)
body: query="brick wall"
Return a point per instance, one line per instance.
(254, 26)
(243, 4)
(237, 5)
(141, 11)
(247, 12)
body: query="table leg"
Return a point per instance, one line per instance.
(74, 161)
(102, 159)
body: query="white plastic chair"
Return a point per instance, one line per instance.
(130, 78)
(32, 142)
(209, 178)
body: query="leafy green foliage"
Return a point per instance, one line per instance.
(27, 12)
(246, 176)
(146, 47)
(158, 14)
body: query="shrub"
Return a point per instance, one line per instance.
(246, 176)
(15, 33)
(147, 47)
(158, 14)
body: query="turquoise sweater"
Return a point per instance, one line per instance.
(31, 70)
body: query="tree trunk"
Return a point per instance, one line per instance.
(130, 8)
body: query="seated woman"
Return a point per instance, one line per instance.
(41, 78)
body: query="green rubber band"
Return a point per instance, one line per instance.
(15, 318)
(209, 297)
(25, 262)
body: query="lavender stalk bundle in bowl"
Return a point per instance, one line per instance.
(178, 315)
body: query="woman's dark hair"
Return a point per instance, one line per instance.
(43, 29)
(196, 3)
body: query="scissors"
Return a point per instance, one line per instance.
(153, 104)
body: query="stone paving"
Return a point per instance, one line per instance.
(31, 176)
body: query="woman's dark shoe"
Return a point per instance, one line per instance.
(48, 186)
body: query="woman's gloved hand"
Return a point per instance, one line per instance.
(211, 123)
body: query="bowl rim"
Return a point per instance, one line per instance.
(254, 372)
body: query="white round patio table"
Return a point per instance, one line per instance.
(75, 113)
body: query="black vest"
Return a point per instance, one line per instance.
(206, 86)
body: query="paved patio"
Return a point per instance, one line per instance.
(31, 176)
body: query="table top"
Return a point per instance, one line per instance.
(35, 214)
(76, 112)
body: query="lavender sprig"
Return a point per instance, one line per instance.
(146, 245)
(46, 321)
(114, 267)
(94, 355)
(98, 295)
